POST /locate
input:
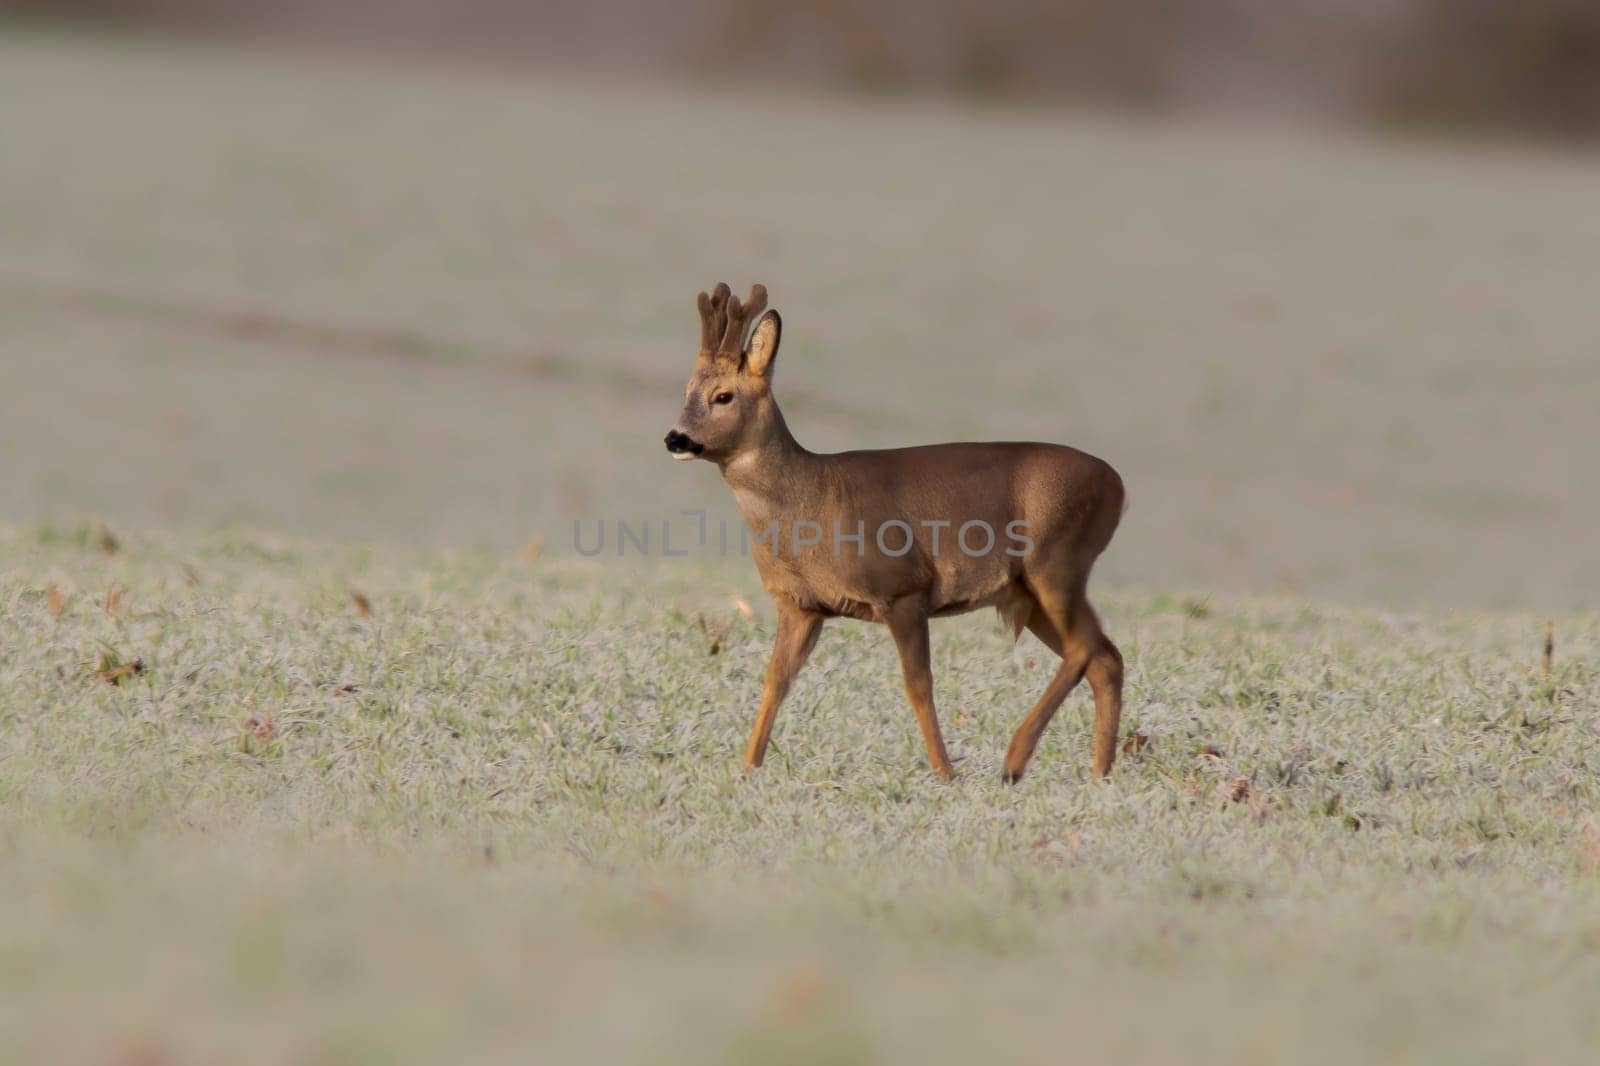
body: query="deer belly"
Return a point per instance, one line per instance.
(968, 583)
(1009, 599)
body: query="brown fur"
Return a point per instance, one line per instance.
(1071, 503)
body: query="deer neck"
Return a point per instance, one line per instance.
(771, 476)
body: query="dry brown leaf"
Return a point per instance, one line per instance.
(58, 602)
(113, 674)
(349, 688)
(801, 991)
(363, 605)
(1045, 853)
(1589, 850)
(715, 632)
(143, 1052)
(260, 726)
(1137, 741)
(113, 600)
(1211, 751)
(535, 546)
(1238, 790)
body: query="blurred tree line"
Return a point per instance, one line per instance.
(1517, 66)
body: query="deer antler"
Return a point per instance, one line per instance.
(713, 319)
(724, 320)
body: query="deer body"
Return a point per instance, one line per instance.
(899, 536)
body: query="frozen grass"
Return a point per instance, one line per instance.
(501, 817)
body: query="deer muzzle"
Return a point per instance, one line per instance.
(682, 446)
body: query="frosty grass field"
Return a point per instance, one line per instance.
(304, 758)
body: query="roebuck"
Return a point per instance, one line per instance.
(903, 535)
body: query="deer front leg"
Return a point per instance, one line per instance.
(797, 635)
(908, 622)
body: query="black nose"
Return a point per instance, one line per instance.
(681, 442)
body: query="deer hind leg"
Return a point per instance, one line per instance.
(797, 635)
(1065, 622)
(908, 623)
(1040, 627)
(1104, 675)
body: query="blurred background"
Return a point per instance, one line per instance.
(1518, 66)
(1318, 278)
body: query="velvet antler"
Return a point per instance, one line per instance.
(724, 320)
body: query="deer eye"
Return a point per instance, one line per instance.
(722, 397)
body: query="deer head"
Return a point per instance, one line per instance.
(728, 406)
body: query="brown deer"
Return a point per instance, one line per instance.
(902, 535)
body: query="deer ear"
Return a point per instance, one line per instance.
(763, 350)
